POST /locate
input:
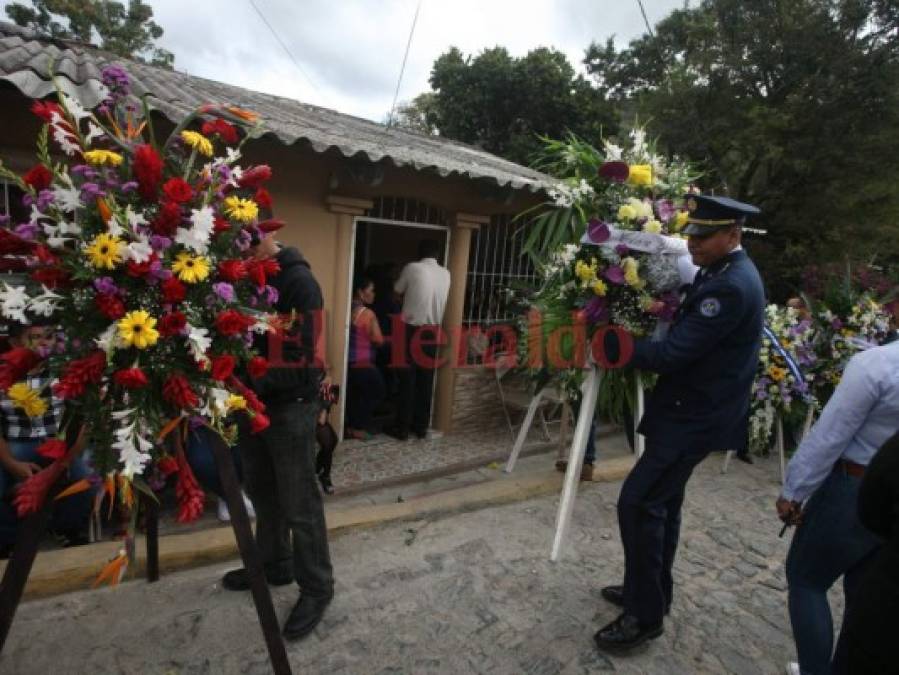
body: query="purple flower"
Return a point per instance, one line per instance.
(836, 324)
(44, 199)
(598, 231)
(666, 209)
(761, 394)
(27, 200)
(85, 171)
(615, 274)
(270, 295)
(129, 186)
(27, 231)
(224, 290)
(597, 310)
(91, 191)
(4, 219)
(243, 240)
(622, 250)
(160, 243)
(106, 285)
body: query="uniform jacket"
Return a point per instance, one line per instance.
(708, 360)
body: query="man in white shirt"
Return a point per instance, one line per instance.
(424, 286)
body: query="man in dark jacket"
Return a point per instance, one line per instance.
(279, 462)
(700, 404)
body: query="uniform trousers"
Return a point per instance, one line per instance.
(649, 516)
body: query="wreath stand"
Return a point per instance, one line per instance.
(31, 530)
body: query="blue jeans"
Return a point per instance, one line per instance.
(831, 542)
(198, 452)
(70, 514)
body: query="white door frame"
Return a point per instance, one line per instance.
(349, 306)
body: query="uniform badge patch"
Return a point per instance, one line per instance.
(710, 307)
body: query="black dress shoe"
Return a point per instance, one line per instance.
(239, 580)
(625, 633)
(614, 594)
(327, 485)
(397, 433)
(420, 434)
(305, 615)
(745, 457)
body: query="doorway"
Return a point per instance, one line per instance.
(381, 248)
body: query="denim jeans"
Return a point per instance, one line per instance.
(198, 452)
(831, 542)
(279, 474)
(70, 514)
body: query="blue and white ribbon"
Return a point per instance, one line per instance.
(788, 358)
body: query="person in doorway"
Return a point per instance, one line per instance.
(364, 382)
(279, 462)
(706, 363)
(424, 287)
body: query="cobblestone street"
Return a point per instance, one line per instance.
(472, 592)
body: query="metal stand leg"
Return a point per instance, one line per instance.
(252, 561)
(152, 518)
(809, 418)
(780, 448)
(575, 459)
(523, 431)
(729, 455)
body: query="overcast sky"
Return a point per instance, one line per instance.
(350, 51)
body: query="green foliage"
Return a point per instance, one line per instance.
(128, 31)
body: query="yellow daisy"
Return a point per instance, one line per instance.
(244, 210)
(27, 399)
(102, 157)
(236, 402)
(198, 142)
(639, 174)
(599, 287)
(632, 273)
(189, 268)
(137, 329)
(105, 251)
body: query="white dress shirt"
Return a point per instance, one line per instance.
(424, 286)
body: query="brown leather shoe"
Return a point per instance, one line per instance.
(587, 472)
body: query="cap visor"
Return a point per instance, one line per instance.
(695, 230)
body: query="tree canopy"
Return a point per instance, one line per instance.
(129, 31)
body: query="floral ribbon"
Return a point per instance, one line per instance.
(790, 361)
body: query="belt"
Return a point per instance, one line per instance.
(851, 468)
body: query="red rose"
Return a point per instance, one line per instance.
(110, 306)
(53, 448)
(173, 290)
(226, 131)
(147, 170)
(15, 364)
(178, 190)
(231, 322)
(39, 177)
(171, 324)
(131, 378)
(257, 367)
(167, 219)
(167, 465)
(222, 366)
(176, 390)
(259, 422)
(263, 198)
(254, 177)
(219, 225)
(232, 270)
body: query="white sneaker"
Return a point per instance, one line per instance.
(793, 668)
(223, 513)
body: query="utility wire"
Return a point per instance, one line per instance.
(403, 67)
(285, 48)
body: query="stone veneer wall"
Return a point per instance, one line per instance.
(476, 404)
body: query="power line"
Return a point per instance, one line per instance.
(403, 67)
(285, 48)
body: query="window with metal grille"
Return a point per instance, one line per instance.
(407, 211)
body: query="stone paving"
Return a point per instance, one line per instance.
(472, 592)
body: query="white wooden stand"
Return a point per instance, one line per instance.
(523, 431)
(590, 390)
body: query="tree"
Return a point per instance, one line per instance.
(419, 114)
(790, 104)
(128, 32)
(504, 103)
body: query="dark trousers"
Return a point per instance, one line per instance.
(831, 542)
(279, 474)
(649, 515)
(416, 381)
(366, 390)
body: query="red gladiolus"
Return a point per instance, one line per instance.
(12, 244)
(52, 448)
(263, 198)
(220, 225)
(254, 177)
(131, 378)
(167, 219)
(231, 322)
(45, 110)
(259, 422)
(167, 465)
(226, 131)
(257, 367)
(177, 391)
(178, 190)
(45, 255)
(31, 493)
(187, 491)
(15, 364)
(79, 373)
(109, 306)
(260, 270)
(171, 324)
(39, 177)
(232, 270)
(173, 290)
(253, 402)
(222, 366)
(147, 170)
(51, 277)
(271, 225)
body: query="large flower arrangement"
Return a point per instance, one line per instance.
(778, 387)
(137, 249)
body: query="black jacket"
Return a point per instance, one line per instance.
(293, 372)
(707, 361)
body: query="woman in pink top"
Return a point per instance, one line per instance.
(364, 382)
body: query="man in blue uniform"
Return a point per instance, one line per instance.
(700, 404)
